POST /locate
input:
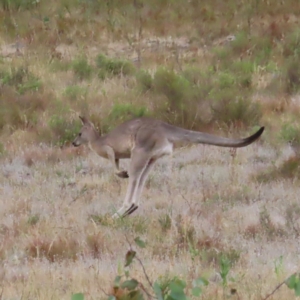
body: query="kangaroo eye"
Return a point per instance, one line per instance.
(79, 134)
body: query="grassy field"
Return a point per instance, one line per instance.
(229, 217)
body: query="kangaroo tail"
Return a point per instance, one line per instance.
(183, 135)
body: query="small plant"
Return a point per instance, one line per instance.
(225, 266)
(81, 68)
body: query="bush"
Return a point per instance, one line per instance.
(230, 108)
(75, 92)
(291, 76)
(21, 111)
(180, 102)
(290, 132)
(144, 80)
(8, 5)
(63, 128)
(108, 67)
(292, 44)
(81, 68)
(21, 79)
(288, 169)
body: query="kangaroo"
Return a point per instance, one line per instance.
(144, 141)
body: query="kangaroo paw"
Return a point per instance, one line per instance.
(130, 210)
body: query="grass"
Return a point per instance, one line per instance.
(207, 209)
(50, 230)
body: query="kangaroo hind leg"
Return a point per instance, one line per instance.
(139, 162)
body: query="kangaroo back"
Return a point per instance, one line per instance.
(179, 134)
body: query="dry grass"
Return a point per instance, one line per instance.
(48, 235)
(210, 66)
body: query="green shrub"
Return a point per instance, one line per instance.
(81, 68)
(63, 129)
(290, 132)
(21, 79)
(292, 44)
(108, 67)
(291, 76)
(121, 112)
(175, 87)
(75, 92)
(144, 80)
(230, 108)
(21, 111)
(18, 4)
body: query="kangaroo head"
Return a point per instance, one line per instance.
(87, 133)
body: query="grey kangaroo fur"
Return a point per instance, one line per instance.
(144, 141)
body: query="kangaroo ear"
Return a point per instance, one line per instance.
(84, 120)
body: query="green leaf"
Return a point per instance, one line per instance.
(291, 281)
(140, 243)
(297, 289)
(129, 257)
(135, 295)
(117, 281)
(78, 296)
(111, 297)
(130, 284)
(196, 291)
(177, 290)
(201, 281)
(157, 291)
